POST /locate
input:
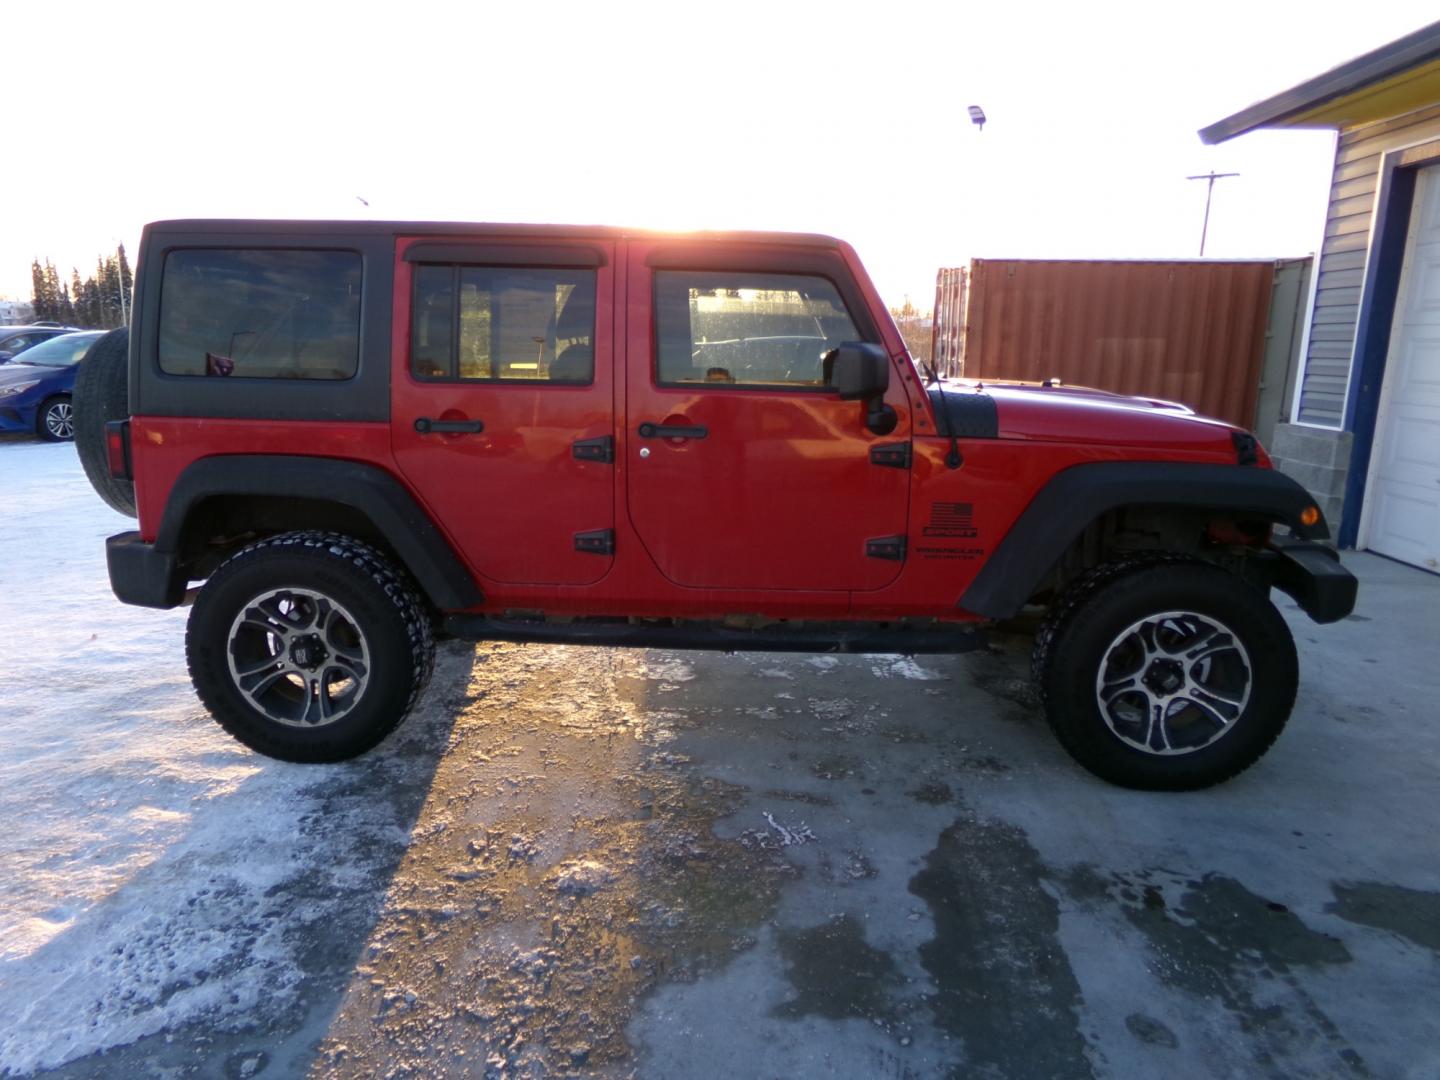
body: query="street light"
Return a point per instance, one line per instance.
(977, 117)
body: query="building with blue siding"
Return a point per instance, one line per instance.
(1364, 430)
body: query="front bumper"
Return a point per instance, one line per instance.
(1311, 575)
(17, 418)
(141, 575)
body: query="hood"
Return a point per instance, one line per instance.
(17, 371)
(1078, 414)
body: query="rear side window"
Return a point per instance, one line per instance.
(746, 329)
(503, 324)
(260, 314)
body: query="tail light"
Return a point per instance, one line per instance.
(117, 448)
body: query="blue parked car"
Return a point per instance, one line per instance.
(16, 339)
(35, 387)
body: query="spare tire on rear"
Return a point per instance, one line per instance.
(102, 394)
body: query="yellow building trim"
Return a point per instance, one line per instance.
(1403, 92)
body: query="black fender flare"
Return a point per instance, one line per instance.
(1076, 496)
(368, 489)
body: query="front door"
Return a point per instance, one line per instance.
(1403, 501)
(743, 470)
(503, 403)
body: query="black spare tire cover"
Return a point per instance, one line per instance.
(102, 394)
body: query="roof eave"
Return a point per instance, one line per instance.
(1290, 105)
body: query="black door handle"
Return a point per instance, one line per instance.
(425, 426)
(672, 431)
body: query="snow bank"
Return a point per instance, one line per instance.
(151, 868)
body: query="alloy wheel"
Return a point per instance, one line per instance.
(298, 657)
(60, 420)
(1174, 683)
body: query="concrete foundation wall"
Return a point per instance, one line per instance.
(1320, 460)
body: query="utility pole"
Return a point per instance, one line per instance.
(1211, 176)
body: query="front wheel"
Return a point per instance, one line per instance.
(309, 647)
(1167, 675)
(56, 420)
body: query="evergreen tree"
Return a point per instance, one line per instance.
(54, 303)
(37, 290)
(47, 292)
(77, 298)
(100, 302)
(102, 309)
(109, 292)
(93, 307)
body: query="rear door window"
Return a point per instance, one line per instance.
(260, 314)
(501, 324)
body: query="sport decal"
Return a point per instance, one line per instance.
(964, 553)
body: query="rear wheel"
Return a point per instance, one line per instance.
(55, 419)
(309, 647)
(1166, 675)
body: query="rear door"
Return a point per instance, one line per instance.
(743, 470)
(503, 400)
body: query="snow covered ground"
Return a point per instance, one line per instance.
(147, 861)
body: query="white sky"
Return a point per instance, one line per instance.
(828, 117)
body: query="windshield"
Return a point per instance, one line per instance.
(59, 351)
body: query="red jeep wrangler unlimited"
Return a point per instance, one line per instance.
(355, 434)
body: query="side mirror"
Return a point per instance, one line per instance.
(857, 371)
(860, 371)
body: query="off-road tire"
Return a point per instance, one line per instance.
(51, 427)
(1072, 646)
(102, 394)
(386, 611)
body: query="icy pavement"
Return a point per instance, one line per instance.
(153, 873)
(591, 862)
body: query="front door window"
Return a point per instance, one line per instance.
(770, 330)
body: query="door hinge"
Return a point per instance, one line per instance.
(895, 455)
(596, 542)
(886, 547)
(598, 449)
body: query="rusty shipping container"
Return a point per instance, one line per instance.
(1186, 331)
(946, 344)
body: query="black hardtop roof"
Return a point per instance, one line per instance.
(353, 227)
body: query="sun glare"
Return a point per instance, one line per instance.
(793, 118)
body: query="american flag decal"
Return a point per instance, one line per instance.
(952, 519)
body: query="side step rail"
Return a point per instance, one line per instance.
(810, 637)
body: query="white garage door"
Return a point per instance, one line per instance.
(1402, 510)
